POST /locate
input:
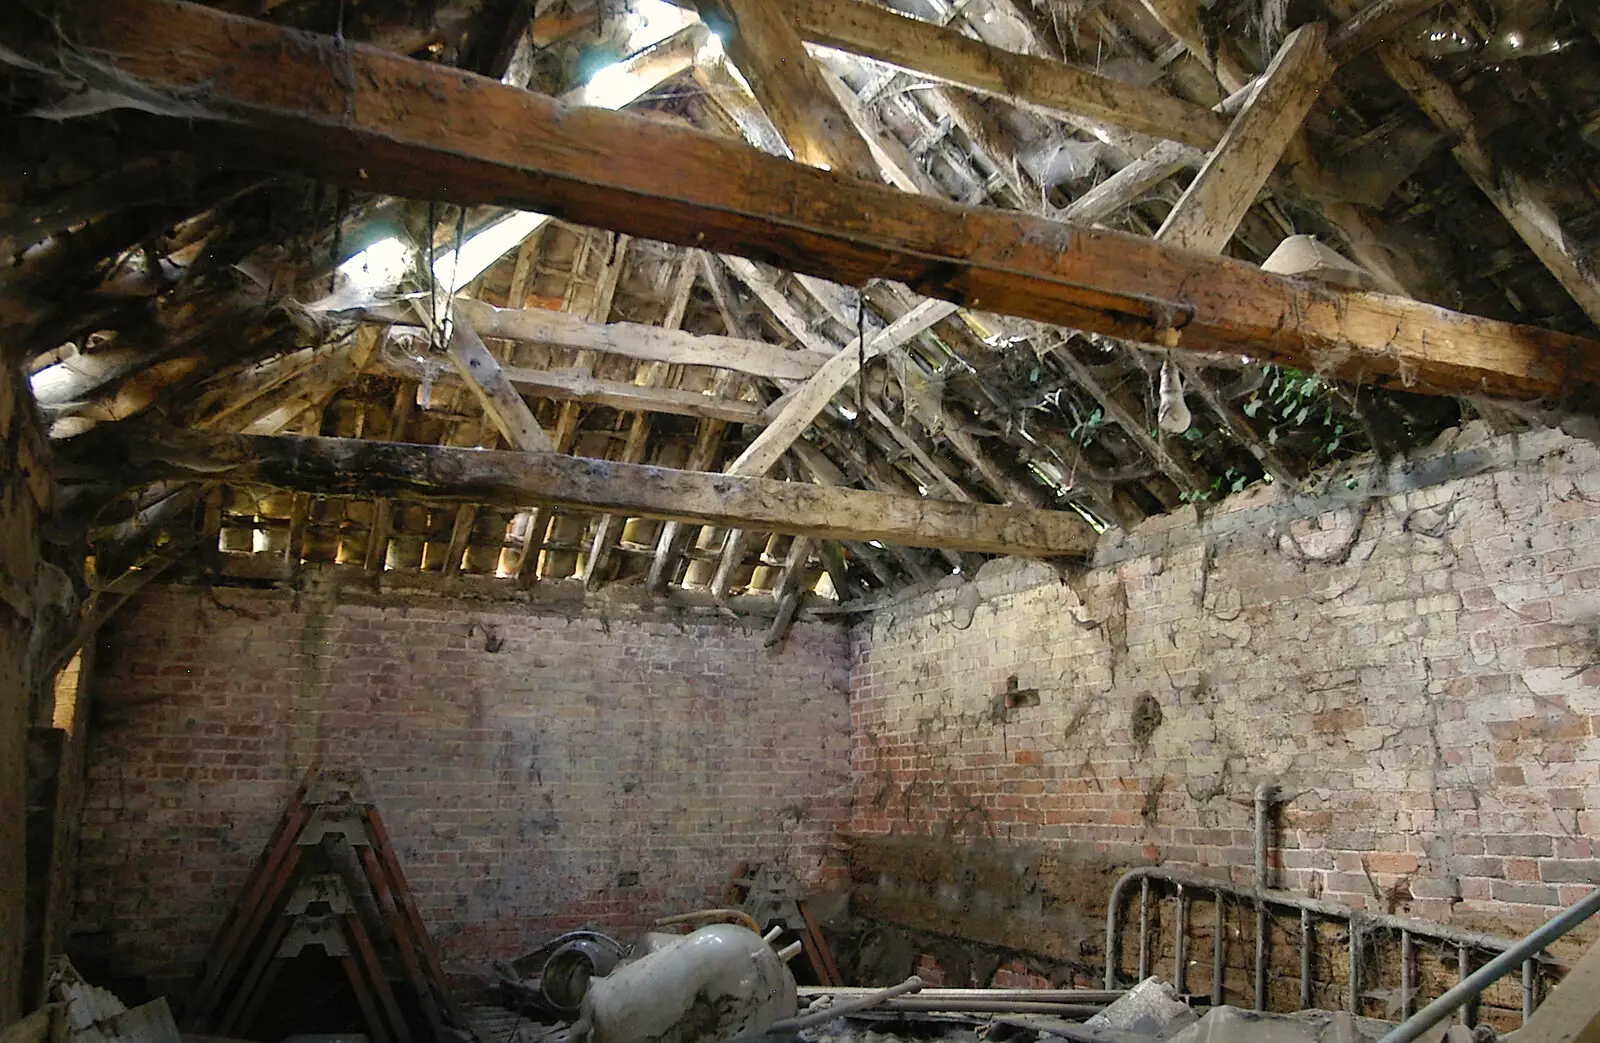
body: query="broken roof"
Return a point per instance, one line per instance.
(184, 253)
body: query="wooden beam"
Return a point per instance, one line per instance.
(284, 99)
(787, 592)
(344, 467)
(501, 402)
(1227, 185)
(571, 385)
(1375, 24)
(765, 48)
(1022, 79)
(637, 341)
(935, 470)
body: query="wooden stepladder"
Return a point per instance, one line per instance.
(329, 851)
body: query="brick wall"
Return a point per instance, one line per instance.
(537, 773)
(1412, 653)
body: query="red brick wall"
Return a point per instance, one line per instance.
(1419, 671)
(526, 765)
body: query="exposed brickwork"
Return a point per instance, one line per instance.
(1419, 671)
(536, 773)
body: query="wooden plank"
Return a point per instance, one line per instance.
(285, 99)
(1375, 24)
(764, 46)
(1022, 79)
(502, 403)
(345, 467)
(576, 386)
(1227, 185)
(1216, 202)
(638, 341)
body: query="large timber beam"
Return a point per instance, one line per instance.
(350, 467)
(295, 101)
(1222, 193)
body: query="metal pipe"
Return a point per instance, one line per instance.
(1527, 991)
(1463, 968)
(1114, 927)
(1144, 929)
(1179, 944)
(1261, 954)
(1408, 985)
(917, 1004)
(1495, 969)
(1308, 941)
(1090, 997)
(1355, 965)
(1218, 970)
(849, 1006)
(1266, 797)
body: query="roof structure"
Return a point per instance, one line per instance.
(757, 305)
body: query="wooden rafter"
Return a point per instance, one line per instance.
(501, 401)
(113, 459)
(763, 44)
(424, 130)
(571, 385)
(609, 528)
(1215, 203)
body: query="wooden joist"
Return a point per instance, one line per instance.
(294, 101)
(346, 467)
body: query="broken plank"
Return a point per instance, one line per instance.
(764, 47)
